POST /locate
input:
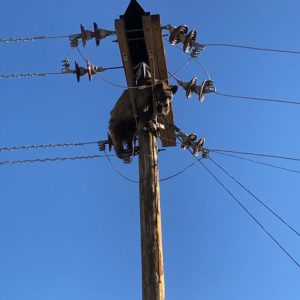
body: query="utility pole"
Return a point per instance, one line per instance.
(150, 213)
(140, 40)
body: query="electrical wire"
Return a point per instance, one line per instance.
(178, 173)
(196, 59)
(13, 148)
(258, 98)
(259, 162)
(117, 171)
(7, 76)
(255, 197)
(282, 101)
(255, 154)
(246, 210)
(252, 48)
(31, 39)
(251, 215)
(81, 54)
(136, 181)
(145, 86)
(42, 160)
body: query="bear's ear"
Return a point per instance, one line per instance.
(174, 89)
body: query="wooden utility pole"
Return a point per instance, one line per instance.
(140, 40)
(151, 233)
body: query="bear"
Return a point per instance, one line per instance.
(122, 124)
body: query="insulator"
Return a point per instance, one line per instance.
(175, 35)
(207, 86)
(89, 70)
(198, 146)
(79, 71)
(189, 87)
(190, 39)
(97, 34)
(83, 35)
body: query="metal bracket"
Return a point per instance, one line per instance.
(102, 144)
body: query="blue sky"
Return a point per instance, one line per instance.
(70, 230)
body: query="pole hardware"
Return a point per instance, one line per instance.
(102, 144)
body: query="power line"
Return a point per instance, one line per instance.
(252, 48)
(136, 181)
(178, 173)
(36, 38)
(258, 98)
(78, 144)
(42, 160)
(31, 39)
(259, 162)
(255, 197)
(202, 67)
(241, 97)
(117, 171)
(251, 215)
(81, 54)
(255, 154)
(245, 209)
(13, 148)
(27, 75)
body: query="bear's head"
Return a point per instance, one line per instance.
(164, 96)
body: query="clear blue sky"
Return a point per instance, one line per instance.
(70, 230)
